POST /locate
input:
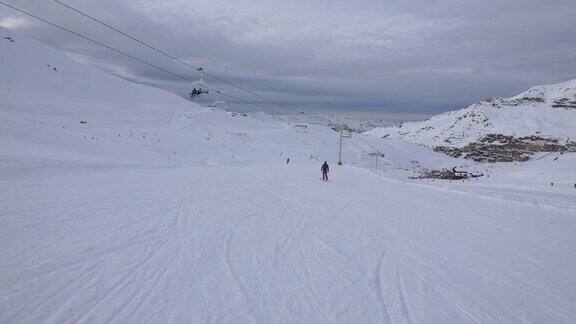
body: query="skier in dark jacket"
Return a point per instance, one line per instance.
(325, 169)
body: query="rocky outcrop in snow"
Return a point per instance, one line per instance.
(502, 148)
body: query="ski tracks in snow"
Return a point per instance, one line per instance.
(272, 244)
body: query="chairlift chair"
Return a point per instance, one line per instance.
(199, 87)
(220, 104)
(300, 126)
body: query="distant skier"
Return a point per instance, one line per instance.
(325, 169)
(287, 160)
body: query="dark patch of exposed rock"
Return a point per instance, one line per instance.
(564, 103)
(504, 148)
(501, 102)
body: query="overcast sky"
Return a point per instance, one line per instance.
(387, 56)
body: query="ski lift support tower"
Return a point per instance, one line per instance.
(342, 136)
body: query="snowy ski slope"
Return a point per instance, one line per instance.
(156, 210)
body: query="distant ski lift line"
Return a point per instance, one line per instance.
(132, 57)
(172, 56)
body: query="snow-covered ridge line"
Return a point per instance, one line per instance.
(27, 74)
(546, 111)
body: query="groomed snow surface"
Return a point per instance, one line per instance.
(157, 210)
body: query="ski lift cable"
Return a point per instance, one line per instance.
(131, 56)
(174, 57)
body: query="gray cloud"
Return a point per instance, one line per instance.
(391, 56)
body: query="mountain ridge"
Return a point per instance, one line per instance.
(546, 111)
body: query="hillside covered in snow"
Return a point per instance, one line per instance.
(544, 117)
(58, 111)
(121, 203)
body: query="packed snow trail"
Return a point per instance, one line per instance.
(271, 243)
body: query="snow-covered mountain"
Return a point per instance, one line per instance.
(55, 110)
(33, 71)
(547, 111)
